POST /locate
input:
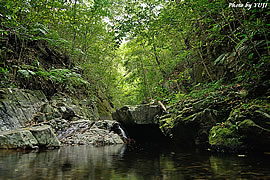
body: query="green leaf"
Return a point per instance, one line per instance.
(250, 56)
(24, 73)
(221, 59)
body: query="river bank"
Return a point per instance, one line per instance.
(224, 121)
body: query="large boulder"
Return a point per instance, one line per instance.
(194, 129)
(247, 128)
(141, 122)
(140, 114)
(225, 139)
(18, 139)
(29, 138)
(45, 136)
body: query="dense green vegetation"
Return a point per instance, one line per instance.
(136, 51)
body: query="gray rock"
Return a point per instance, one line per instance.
(14, 139)
(85, 132)
(29, 138)
(141, 114)
(46, 108)
(20, 108)
(72, 106)
(17, 107)
(45, 136)
(105, 124)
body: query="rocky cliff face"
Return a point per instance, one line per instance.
(18, 106)
(28, 119)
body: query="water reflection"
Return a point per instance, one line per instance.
(122, 162)
(83, 162)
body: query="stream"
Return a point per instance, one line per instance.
(124, 162)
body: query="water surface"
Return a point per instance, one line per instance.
(122, 162)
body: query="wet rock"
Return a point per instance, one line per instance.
(74, 127)
(21, 107)
(18, 139)
(71, 119)
(85, 132)
(71, 107)
(45, 136)
(105, 124)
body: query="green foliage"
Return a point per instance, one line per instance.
(224, 137)
(173, 50)
(4, 72)
(206, 89)
(5, 78)
(61, 79)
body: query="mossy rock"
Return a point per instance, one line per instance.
(104, 106)
(225, 139)
(254, 136)
(104, 109)
(247, 128)
(194, 129)
(165, 125)
(258, 111)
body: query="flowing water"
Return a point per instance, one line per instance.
(122, 132)
(122, 162)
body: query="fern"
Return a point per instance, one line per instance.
(221, 59)
(240, 44)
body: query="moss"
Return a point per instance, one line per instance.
(224, 137)
(103, 109)
(190, 118)
(167, 123)
(255, 105)
(249, 127)
(247, 123)
(257, 110)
